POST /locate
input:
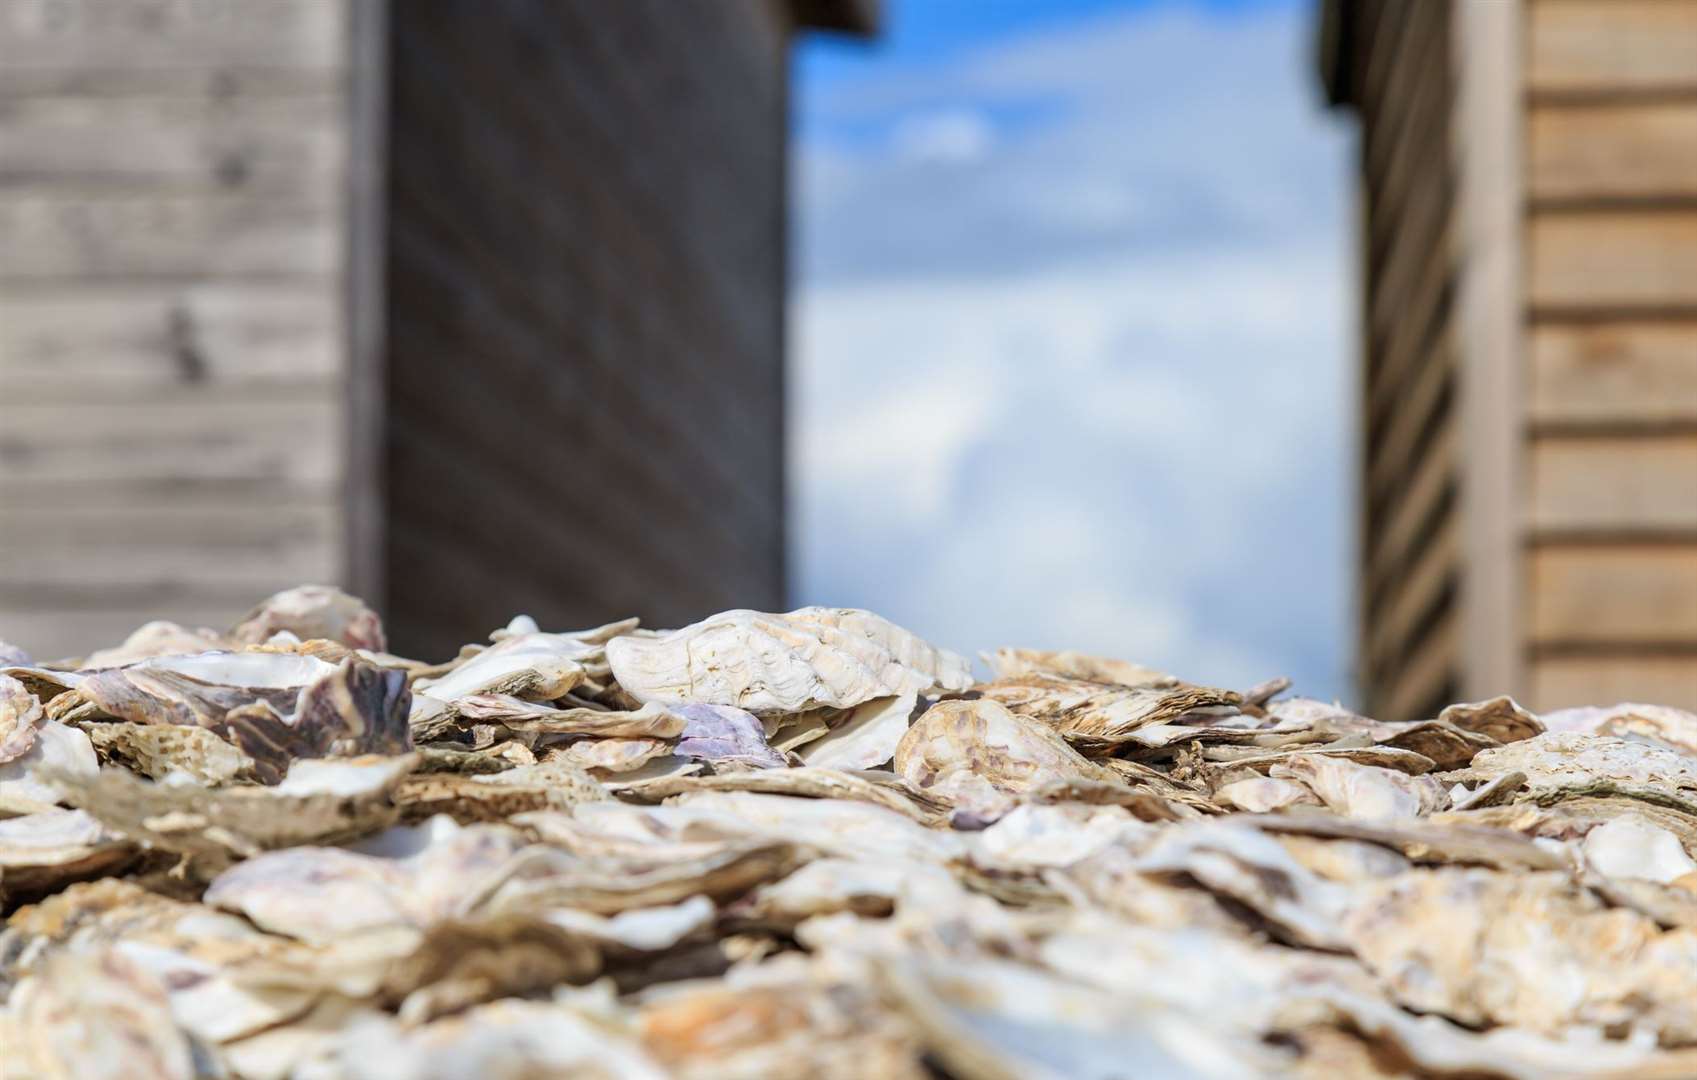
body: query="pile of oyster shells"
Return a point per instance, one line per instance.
(813, 845)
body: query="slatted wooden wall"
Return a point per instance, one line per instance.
(585, 280)
(1410, 530)
(171, 333)
(1611, 375)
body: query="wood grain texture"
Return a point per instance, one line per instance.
(1613, 152)
(1615, 374)
(53, 237)
(169, 34)
(1616, 595)
(1559, 682)
(1611, 46)
(1614, 485)
(1612, 261)
(89, 341)
(280, 146)
(172, 333)
(71, 622)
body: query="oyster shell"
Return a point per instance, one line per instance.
(1100, 716)
(982, 758)
(20, 714)
(163, 751)
(535, 666)
(516, 714)
(274, 707)
(99, 1015)
(1577, 762)
(807, 659)
(724, 736)
(1363, 791)
(1631, 847)
(1009, 663)
(153, 639)
(808, 782)
(756, 847)
(44, 851)
(27, 782)
(319, 800)
(866, 738)
(313, 611)
(1499, 718)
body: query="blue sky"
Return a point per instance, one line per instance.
(1069, 326)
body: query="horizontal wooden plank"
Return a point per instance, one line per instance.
(1613, 373)
(77, 624)
(1625, 594)
(20, 86)
(1628, 485)
(166, 34)
(1610, 46)
(278, 146)
(1632, 150)
(154, 546)
(53, 238)
(77, 343)
(208, 433)
(1559, 682)
(1613, 260)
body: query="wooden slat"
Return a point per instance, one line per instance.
(77, 624)
(1635, 150)
(1613, 595)
(1609, 46)
(1422, 677)
(1415, 413)
(148, 34)
(1417, 51)
(1412, 596)
(1393, 546)
(1559, 682)
(238, 544)
(279, 146)
(1613, 373)
(1619, 485)
(52, 238)
(1420, 239)
(1616, 260)
(211, 434)
(74, 342)
(1421, 318)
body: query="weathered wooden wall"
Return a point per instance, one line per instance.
(1410, 530)
(1611, 371)
(171, 334)
(1529, 181)
(585, 311)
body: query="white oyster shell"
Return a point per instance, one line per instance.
(777, 664)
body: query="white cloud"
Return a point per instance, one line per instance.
(1089, 392)
(951, 135)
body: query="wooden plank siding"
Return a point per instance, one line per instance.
(1611, 371)
(1528, 176)
(1409, 558)
(172, 335)
(584, 386)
